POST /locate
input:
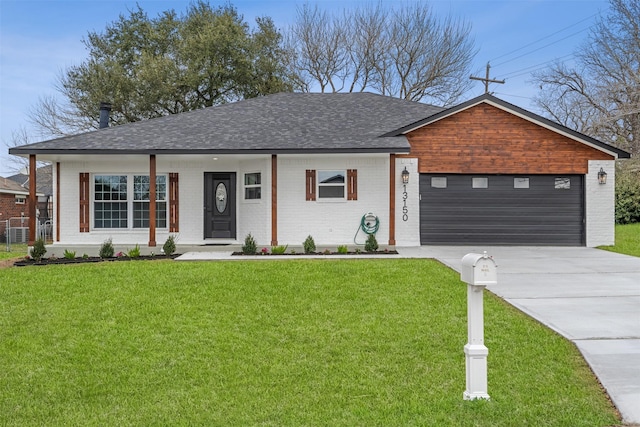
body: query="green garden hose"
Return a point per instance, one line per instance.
(369, 223)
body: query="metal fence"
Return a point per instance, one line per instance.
(16, 230)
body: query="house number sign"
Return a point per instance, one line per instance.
(405, 209)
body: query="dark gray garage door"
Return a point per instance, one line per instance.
(501, 210)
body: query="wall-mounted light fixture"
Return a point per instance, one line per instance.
(602, 177)
(405, 176)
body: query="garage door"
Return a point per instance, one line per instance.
(501, 210)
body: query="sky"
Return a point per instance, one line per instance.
(39, 39)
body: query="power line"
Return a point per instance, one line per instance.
(542, 47)
(544, 38)
(532, 68)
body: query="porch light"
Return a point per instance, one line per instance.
(405, 176)
(602, 177)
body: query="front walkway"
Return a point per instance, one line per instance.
(589, 296)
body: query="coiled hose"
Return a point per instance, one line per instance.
(369, 223)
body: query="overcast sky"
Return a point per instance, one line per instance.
(41, 38)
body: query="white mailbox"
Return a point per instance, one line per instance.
(479, 270)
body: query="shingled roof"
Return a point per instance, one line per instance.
(279, 123)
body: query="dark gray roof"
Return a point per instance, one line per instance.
(279, 123)
(9, 186)
(44, 180)
(516, 110)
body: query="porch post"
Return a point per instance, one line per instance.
(274, 200)
(152, 200)
(57, 202)
(33, 200)
(392, 200)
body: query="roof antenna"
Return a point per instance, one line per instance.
(487, 80)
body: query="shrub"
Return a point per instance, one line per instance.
(85, 256)
(106, 250)
(135, 252)
(38, 250)
(169, 246)
(628, 197)
(309, 245)
(69, 254)
(249, 247)
(371, 245)
(279, 250)
(342, 249)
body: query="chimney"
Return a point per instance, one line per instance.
(105, 108)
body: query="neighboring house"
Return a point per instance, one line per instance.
(14, 206)
(289, 165)
(44, 187)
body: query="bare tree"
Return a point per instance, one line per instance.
(600, 95)
(406, 53)
(19, 164)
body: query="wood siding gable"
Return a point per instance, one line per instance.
(484, 139)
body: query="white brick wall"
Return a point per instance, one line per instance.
(331, 223)
(408, 228)
(600, 204)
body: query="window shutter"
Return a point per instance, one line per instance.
(84, 202)
(173, 203)
(311, 184)
(352, 184)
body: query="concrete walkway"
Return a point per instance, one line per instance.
(589, 296)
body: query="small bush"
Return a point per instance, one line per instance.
(106, 250)
(69, 254)
(309, 245)
(85, 256)
(371, 245)
(342, 249)
(249, 247)
(279, 250)
(169, 246)
(134, 253)
(38, 250)
(628, 197)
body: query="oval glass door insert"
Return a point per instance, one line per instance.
(221, 197)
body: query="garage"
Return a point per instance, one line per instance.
(502, 210)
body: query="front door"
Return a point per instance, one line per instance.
(219, 205)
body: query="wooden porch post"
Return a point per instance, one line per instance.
(33, 200)
(57, 201)
(152, 200)
(392, 200)
(274, 200)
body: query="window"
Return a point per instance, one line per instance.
(110, 201)
(331, 184)
(563, 183)
(21, 200)
(520, 182)
(479, 182)
(117, 198)
(439, 182)
(141, 190)
(252, 186)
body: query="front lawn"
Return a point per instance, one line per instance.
(274, 343)
(627, 240)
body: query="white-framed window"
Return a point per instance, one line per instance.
(332, 184)
(21, 200)
(122, 201)
(480, 182)
(252, 186)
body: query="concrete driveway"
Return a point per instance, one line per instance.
(590, 296)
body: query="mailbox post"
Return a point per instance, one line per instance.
(477, 271)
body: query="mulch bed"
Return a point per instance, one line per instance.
(56, 261)
(386, 252)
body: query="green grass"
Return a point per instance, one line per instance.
(17, 251)
(627, 240)
(274, 343)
